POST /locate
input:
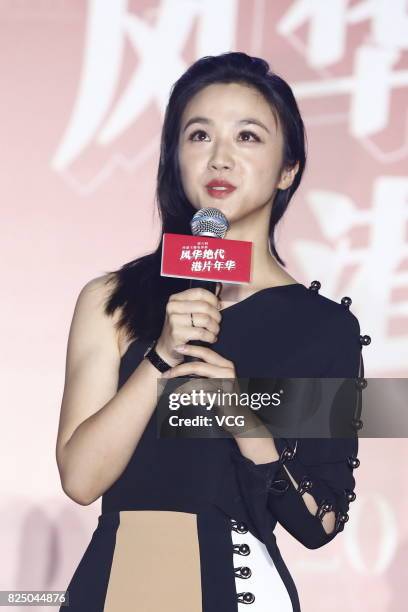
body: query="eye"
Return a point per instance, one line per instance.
(251, 134)
(194, 134)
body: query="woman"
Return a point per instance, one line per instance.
(187, 524)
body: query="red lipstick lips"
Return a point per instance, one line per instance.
(218, 188)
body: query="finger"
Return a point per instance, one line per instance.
(195, 300)
(187, 331)
(177, 307)
(196, 293)
(196, 333)
(198, 384)
(198, 368)
(202, 320)
(207, 354)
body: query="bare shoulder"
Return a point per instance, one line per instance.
(89, 318)
(96, 291)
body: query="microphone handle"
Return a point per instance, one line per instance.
(210, 286)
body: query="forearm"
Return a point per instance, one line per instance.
(258, 449)
(101, 447)
(261, 448)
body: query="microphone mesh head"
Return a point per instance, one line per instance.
(209, 222)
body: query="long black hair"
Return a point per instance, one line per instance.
(139, 290)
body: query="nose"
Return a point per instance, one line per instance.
(220, 158)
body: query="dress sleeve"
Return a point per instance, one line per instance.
(324, 468)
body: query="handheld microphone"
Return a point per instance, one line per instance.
(206, 222)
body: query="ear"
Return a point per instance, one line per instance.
(288, 176)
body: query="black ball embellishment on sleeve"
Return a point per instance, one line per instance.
(365, 340)
(357, 424)
(350, 495)
(305, 485)
(340, 520)
(287, 454)
(361, 383)
(324, 507)
(353, 462)
(315, 286)
(346, 302)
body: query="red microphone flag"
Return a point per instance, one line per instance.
(205, 257)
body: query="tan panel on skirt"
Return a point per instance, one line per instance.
(156, 563)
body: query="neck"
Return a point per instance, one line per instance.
(265, 270)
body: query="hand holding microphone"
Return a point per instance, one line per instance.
(191, 315)
(206, 222)
(193, 320)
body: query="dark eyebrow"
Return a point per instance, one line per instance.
(255, 122)
(206, 121)
(196, 120)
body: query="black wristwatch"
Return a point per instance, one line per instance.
(154, 358)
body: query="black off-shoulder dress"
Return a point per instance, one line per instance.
(189, 525)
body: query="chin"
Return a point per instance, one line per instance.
(206, 205)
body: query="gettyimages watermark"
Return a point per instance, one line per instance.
(282, 407)
(212, 399)
(227, 408)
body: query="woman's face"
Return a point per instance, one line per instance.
(229, 134)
